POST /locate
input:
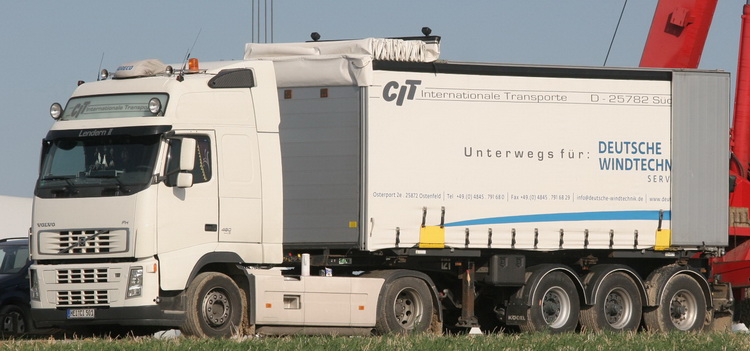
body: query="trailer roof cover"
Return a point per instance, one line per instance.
(378, 48)
(143, 68)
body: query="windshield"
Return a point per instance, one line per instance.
(92, 166)
(13, 258)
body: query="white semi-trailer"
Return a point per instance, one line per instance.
(360, 186)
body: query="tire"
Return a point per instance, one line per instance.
(15, 320)
(214, 306)
(742, 311)
(404, 307)
(618, 306)
(682, 306)
(555, 305)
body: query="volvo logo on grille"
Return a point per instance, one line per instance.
(80, 242)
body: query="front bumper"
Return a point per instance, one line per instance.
(124, 316)
(102, 288)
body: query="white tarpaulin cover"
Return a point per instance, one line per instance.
(337, 62)
(326, 70)
(376, 48)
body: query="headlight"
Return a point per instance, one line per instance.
(56, 111)
(154, 106)
(34, 282)
(135, 282)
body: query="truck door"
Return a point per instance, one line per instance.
(240, 191)
(189, 217)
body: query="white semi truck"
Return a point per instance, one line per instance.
(367, 186)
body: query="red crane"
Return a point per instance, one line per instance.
(678, 33)
(734, 267)
(676, 39)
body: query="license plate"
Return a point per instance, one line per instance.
(81, 313)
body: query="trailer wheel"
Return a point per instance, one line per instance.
(555, 305)
(742, 311)
(682, 307)
(405, 306)
(214, 306)
(618, 306)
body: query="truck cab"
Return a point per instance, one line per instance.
(126, 207)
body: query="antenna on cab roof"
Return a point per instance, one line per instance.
(99, 73)
(180, 77)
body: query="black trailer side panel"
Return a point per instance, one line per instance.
(320, 147)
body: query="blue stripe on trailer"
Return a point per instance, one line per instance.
(568, 217)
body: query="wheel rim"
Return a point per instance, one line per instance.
(683, 309)
(13, 322)
(407, 307)
(216, 307)
(556, 307)
(618, 308)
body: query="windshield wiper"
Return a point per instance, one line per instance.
(58, 177)
(69, 188)
(120, 186)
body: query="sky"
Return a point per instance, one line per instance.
(47, 46)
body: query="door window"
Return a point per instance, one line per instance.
(202, 171)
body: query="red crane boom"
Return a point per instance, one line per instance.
(678, 33)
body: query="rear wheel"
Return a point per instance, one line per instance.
(555, 305)
(618, 306)
(682, 307)
(214, 306)
(405, 306)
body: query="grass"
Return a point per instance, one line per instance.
(532, 341)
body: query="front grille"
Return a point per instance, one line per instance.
(82, 298)
(77, 242)
(80, 276)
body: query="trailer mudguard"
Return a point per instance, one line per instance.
(593, 280)
(521, 300)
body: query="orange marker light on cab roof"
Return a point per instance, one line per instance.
(193, 64)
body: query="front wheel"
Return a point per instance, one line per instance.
(214, 306)
(555, 305)
(405, 306)
(682, 307)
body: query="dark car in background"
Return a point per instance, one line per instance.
(14, 287)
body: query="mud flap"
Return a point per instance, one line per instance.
(515, 314)
(722, 315)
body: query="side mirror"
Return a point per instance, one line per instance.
(187, 155)
(184, 180)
